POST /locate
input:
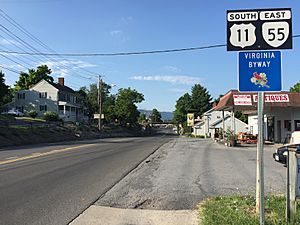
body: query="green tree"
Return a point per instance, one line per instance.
(295, 88)
(200, 100)
(32, 77)
(5, 92)
(241, 116)
(182, 107)
(142, 118)
(90, 99)
(155, 116)
(125, 106)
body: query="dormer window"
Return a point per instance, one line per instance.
(43, 94)
(21, 95)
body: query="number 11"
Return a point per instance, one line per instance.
(240, 35)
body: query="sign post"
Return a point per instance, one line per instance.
(259, 71)
(260, 158)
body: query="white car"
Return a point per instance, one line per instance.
(13, 112)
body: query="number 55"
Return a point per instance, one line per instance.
(275, 33)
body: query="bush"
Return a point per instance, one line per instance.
(32, 113)
(50, 116)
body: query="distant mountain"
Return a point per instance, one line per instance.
(165, 116)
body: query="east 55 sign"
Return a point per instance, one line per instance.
(259, 29)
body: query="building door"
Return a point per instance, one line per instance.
(270, 128)
(279, 131)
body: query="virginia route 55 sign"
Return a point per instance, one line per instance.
(259, 29)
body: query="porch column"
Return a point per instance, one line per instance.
(64, 109)
(223, 120)
(232, 121)
(292, 121)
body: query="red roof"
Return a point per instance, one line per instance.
(227, 102)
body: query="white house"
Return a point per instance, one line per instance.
(212, 121)
(48, 96)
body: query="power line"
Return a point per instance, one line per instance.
(124, 53)
(117, 53)
(31, 36)
(10, 69)
(30, 47)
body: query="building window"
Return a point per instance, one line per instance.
(297, 125)
(43, 94)
(21, 95)
(67, 108)
(43, 107)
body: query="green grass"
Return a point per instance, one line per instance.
(7, 118)
(237, 210)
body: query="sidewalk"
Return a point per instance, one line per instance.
(99, 215)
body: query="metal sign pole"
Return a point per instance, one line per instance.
(260, 160)
(288, 211)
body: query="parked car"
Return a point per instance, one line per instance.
(13, 112)
(281, 153)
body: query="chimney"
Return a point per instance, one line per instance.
(61, 81)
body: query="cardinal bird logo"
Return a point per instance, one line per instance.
(260, 79)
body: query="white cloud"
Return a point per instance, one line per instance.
(187, 80)
(178, 90)
(8, 42)
(172, 69)
(65, 67)
(115, 32)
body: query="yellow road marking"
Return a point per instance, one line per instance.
(37, 154)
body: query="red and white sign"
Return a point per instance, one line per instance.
(274, 98)
(242, 100)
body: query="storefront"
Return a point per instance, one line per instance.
(281, 114)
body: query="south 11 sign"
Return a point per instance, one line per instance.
(259, 29)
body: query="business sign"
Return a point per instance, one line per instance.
(96, 116)
(259, 29)
(242, 100)
(259, 71)
(274, 98)
(190, 119)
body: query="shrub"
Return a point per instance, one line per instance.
(50, 116)
(32, 113)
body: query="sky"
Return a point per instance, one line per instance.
(110, 26)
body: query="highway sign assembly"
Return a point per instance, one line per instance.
(259, 71)
(259, 29)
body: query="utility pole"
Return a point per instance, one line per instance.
(99, 101)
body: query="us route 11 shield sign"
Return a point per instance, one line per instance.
(259, 29)
(259, 71)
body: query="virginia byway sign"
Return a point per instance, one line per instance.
(259, 29)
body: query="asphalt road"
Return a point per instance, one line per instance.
(185, 171)
(52, 184)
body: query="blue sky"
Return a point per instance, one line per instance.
(90, 26)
